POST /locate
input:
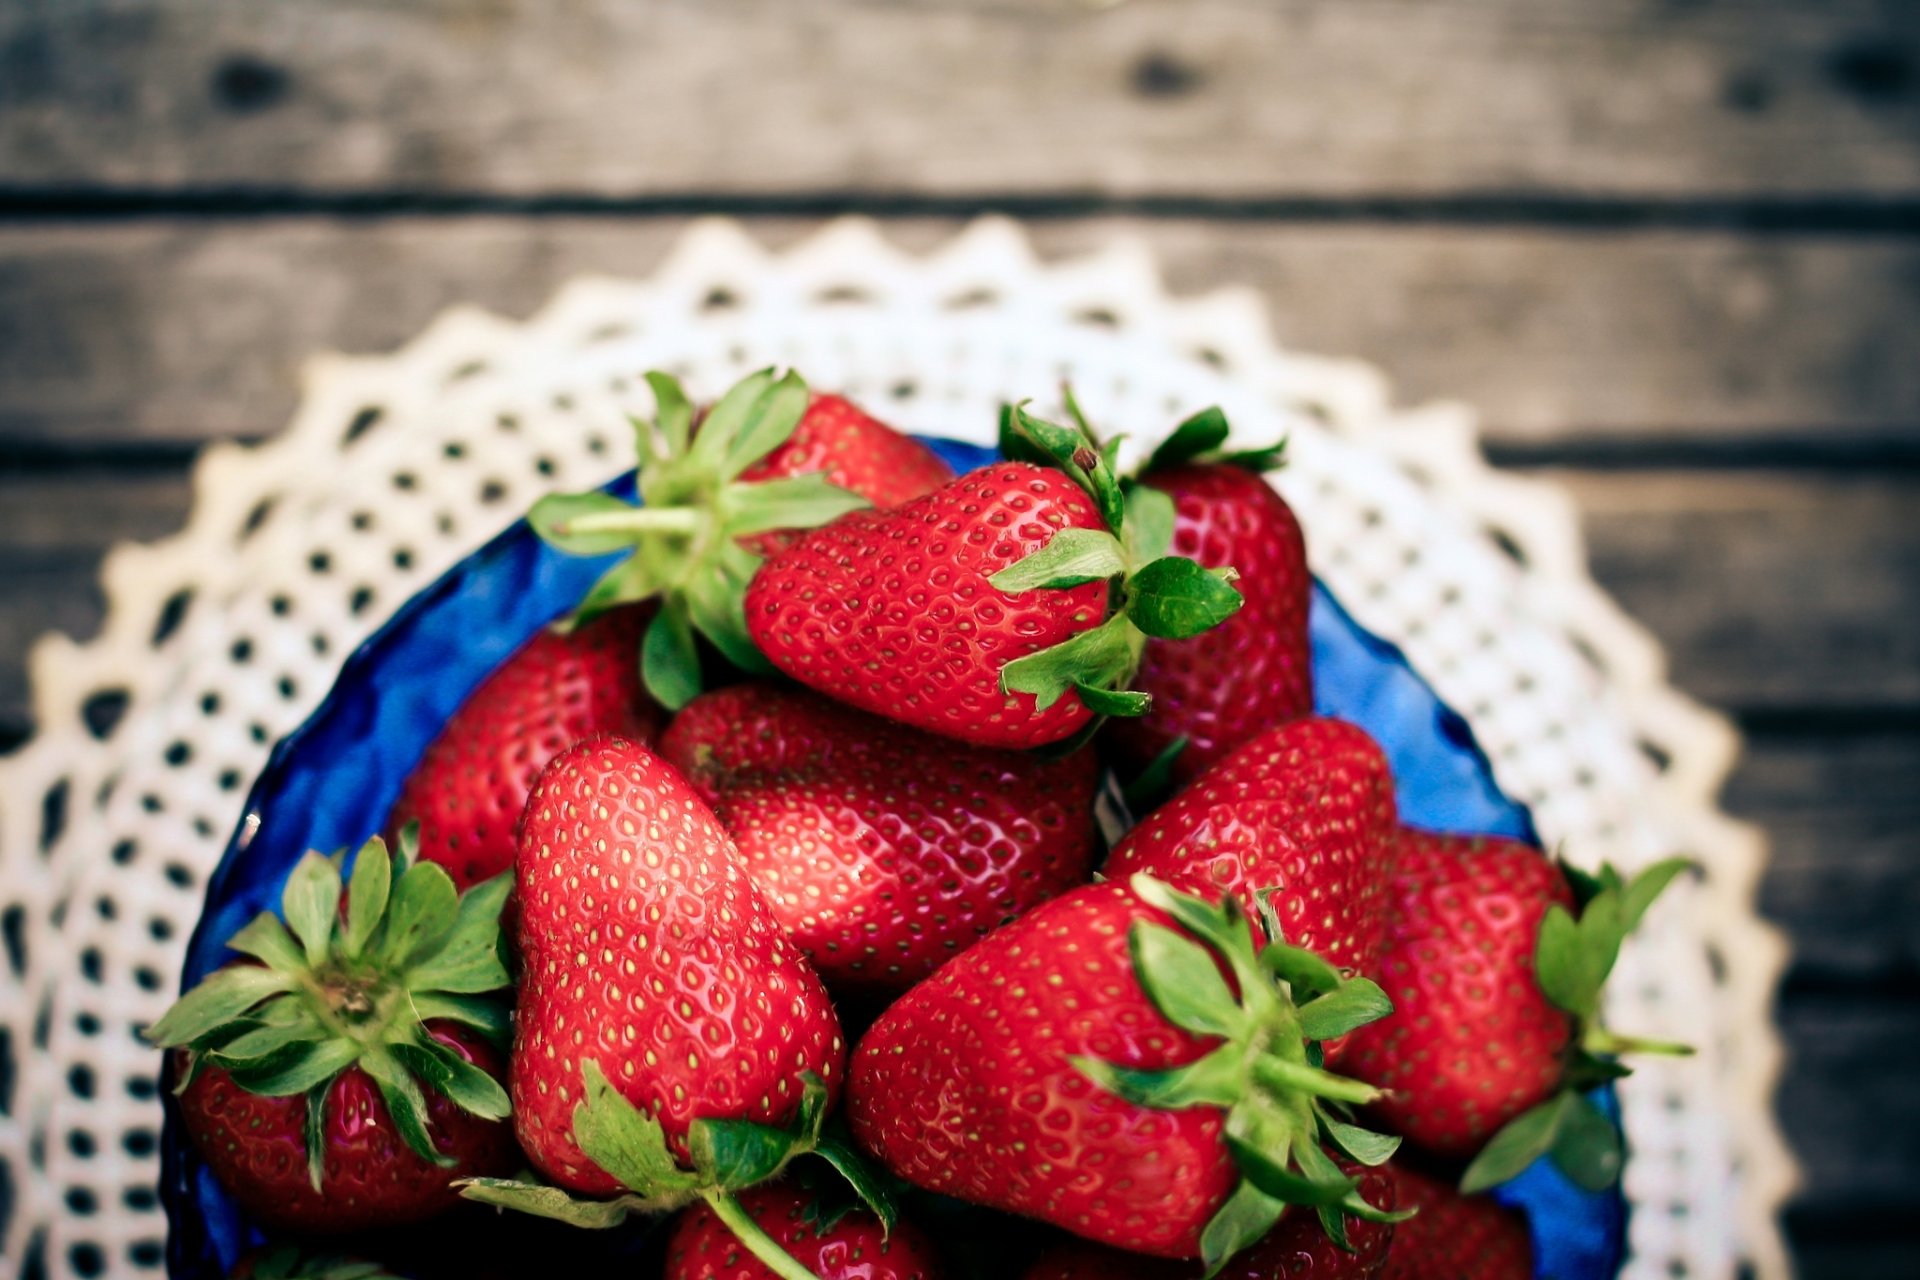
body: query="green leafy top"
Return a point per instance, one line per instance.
(1574, 958)
(335, 990)
(1159, 595)
(1283, 1108)
(728, 1157)
(1201, 439)
(685, 535)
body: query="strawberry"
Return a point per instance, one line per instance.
(1090, 1066)
(1217, 690)
(982, 610)
(671, 1043)
(856, 451)
(831, 1243)
(301, 1071)
(1495, 986)
(1472, 1040)
(1297, 1248)
(1453, 1235)
(468, 790)
(883, 851)
(768, 458)
(1301, 819)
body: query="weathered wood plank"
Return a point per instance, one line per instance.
(1843, 816)
(186, 330)
(1848, 1105)
(1820, 1252)
(1231, 98)
(53, 530)
(1771, 590)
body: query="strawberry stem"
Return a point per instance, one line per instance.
(1598, 1040)
(758, 1242)
(1282, 1075)
(634, 520)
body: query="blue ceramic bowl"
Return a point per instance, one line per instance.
(329, 785)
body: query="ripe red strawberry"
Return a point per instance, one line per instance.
(670, 1043)
(1496, 990)
(883, 851)
(832, 1244)
(1304, 812)
(1453, 1235)
(1253, 671)
(468, 790)
(981, 611)
(646, 950)
(856, 451)
(1298, 1248)
(892, 611)
(767, 459)
(301, 1074)
(1472, 1040)
(257, 1147)
(1090, 1066)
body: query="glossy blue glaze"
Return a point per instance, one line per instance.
(329, 784)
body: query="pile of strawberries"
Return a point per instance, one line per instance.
(890, 874)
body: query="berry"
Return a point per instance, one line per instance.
(1472, 1040)
(468, 790)
(892, 611)
(1086, 1065)
(1303, 815)
(1297, 1248)
(1220, 689)
(646, 950)
(767, 459)
(834, 1245)
(341, 1078)
(1453, 1235)
(882, 850)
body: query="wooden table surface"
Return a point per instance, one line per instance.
(1670, 248)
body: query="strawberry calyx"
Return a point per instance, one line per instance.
(1158, 595)
(1573, 959)
(684, 538)
(335, 989)
(728, 1156)
(1283, 1108)
(1202, 439)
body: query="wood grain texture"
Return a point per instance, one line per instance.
(1821, 1251)
(1849, 1108)
(192, 329)
(53, 530)
(1223, 98)
(1843, 817)
(1772, 591)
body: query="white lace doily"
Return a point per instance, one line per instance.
(222, 639)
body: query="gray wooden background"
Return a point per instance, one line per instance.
(1671, 248)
